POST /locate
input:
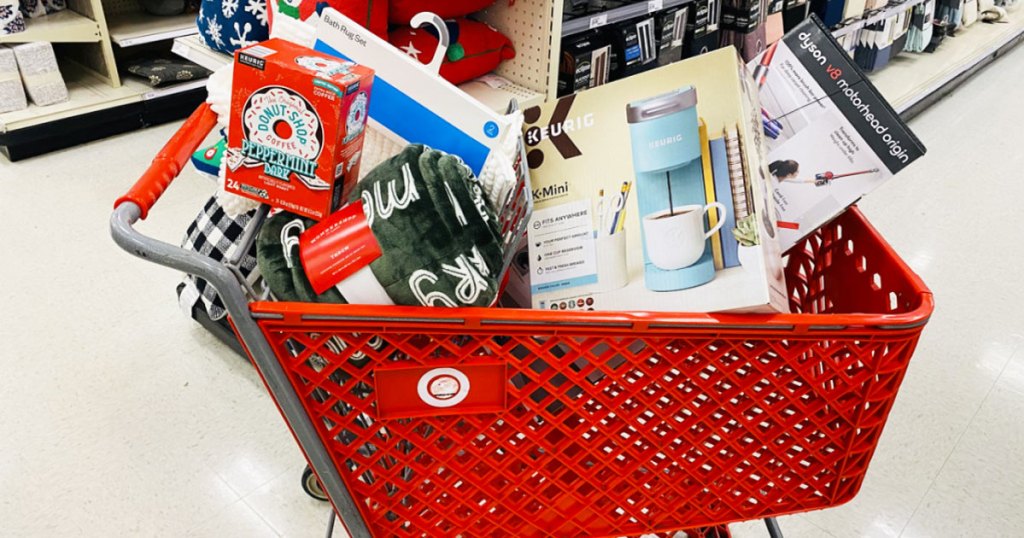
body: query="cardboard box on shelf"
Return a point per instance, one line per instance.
(638, 187)
(670, 30)
(297, 124)
(585, 62)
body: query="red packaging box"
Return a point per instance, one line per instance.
(297, 124)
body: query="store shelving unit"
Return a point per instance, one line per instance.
(872, 17)
(87, 93)
(612, 16)
(135, 28)
(62, 27)
(87, 38)
(912, 82)
(193, 48)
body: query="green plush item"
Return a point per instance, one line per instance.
(458, 194)
(440, 242)
(431, 257)
(277, 254)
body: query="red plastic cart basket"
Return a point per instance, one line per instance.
(491, 422)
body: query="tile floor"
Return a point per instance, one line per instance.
(120, 417)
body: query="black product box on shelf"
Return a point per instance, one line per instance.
(697, 20)
(700, 45)
(775, 6)
(829, 11)
(714, 15)
(634, 47)
(585, 62)
(794, 12)
(670, 28)
(741, 15)
(597, 6)
(702, 33)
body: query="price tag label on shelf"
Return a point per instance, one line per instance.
(655, 5)
(598, 20)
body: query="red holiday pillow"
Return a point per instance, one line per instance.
(370, 14)
(475, 50)
(402, 11)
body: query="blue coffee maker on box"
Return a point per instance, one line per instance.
(665, 137)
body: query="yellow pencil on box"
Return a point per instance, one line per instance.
(709, 192)
(620, 211)
(626, 187)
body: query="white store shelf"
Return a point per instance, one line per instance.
(193, 48)
(910, 78)
(61, 27)
(495, 92)
(872, 17)
(138, 28)
(88, 93)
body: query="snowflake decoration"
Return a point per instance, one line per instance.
(229, 8)
(258, 8)
(213, 29)
(241, 38)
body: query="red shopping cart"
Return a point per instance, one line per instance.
(577, 423)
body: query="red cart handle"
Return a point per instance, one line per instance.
(169, 162)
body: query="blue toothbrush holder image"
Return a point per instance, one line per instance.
(665, 140)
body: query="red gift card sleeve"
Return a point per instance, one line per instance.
(337, 247)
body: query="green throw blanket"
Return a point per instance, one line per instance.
(440, 242)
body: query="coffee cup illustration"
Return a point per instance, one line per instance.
(675, 238)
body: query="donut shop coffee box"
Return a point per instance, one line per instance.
(297, 123)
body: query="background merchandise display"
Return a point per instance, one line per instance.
(618, 50)
(610, 232)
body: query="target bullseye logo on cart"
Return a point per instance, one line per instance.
(284, 133)
(443, 387)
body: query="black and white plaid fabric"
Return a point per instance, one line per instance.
(215, 234)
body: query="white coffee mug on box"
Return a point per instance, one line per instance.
(612, 271)
(677, 239)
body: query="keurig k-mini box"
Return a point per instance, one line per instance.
(640, 186)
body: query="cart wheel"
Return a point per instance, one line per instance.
(312, 486)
